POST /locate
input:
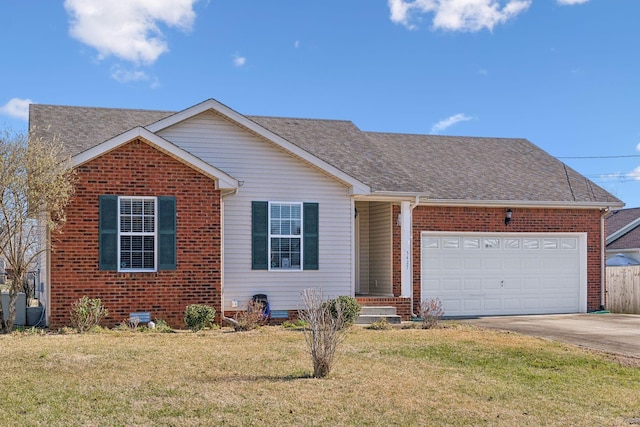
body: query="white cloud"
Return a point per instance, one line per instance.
(296, 44)
(122, 75)
(457, 15)
(128, 29)
(17, 108)
(239, 61)
(635, 174)
(638, 147)
(450, 121)
(126, 76)
(571, 2)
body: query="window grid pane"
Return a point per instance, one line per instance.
(137, 234)
(285, 229)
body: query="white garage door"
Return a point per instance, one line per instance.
(498, 274)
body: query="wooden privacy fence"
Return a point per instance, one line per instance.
(623, 289)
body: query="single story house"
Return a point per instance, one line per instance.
(623, 234)
(207, 205)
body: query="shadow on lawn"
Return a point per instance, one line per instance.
(256, 378)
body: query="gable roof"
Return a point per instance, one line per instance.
(224, 181)
(623, 229)
(438, 169)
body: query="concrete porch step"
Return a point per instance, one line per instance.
(372, 314)
(377, 310)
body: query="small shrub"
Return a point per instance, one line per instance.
(381, 325)
(431, 311)
(129, 324)
(349, 308)
(87, 313)
(251, 318)
(199, 316)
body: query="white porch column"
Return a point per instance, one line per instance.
(405, 248)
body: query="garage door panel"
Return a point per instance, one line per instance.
(505, 274)
(429, 286)
(472, 263)
(511, 303)
(493, 262)
(472, 284)
(491, 284)
(452, 285)
(451, 263)
(471, 305)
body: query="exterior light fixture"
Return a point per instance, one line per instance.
(507, 218)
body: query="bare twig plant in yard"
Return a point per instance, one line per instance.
(36, 183)
(431, 311)
(326, 329)
(251, 318)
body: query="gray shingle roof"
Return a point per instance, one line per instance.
(616, 220)
(438, 167)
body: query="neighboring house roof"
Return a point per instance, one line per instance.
(436, 168)
(623, 229)
(620, 260)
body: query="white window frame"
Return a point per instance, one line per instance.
(299, 236)
(154, 234)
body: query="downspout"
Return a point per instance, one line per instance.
(223, 318)
(603, 247)
(412, 206)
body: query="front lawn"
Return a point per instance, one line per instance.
(456, 375)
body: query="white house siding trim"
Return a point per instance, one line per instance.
(267, 173)
(380, 241)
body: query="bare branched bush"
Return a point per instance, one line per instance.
(325, 329)
(251, 318)
(36, 184)
(431, 312)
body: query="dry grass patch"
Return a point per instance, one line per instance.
(456, 375)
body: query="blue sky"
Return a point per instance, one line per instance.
(564, 74)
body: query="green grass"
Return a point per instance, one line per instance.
(457, 376)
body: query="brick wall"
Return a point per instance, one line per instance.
(137, 169)
(473, 219)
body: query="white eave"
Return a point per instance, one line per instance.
(425, 200)
(223, 180)
(356, 187)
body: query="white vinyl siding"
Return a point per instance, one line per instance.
(363, 243)
(266, 172)
(380, 241)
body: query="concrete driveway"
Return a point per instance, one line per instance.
(613, 333)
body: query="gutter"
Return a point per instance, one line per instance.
(424, 200)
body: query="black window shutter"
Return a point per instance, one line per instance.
(108, 233)
(259, 235)
(166, 233)
(310, 238)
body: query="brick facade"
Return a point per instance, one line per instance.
(486, 220)
(138, 169)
